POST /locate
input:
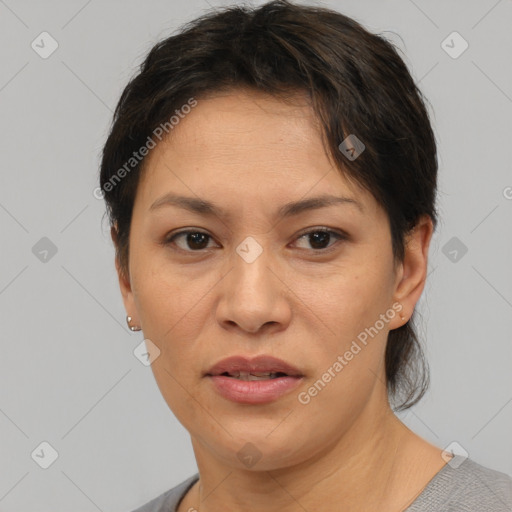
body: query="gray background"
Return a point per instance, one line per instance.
(68, 375)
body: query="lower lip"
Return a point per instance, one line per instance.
(254, 391)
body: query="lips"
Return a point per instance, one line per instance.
(260, 367)
(257, 381)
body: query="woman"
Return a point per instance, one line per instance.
(270, 178)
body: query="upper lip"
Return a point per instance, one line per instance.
(258, 364)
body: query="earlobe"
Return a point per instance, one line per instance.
(133, 328)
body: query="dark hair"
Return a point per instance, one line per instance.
(357, 84)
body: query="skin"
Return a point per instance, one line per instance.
(249, 154)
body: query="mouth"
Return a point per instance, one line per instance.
(262, 367)
(259, 380)
(254, 376)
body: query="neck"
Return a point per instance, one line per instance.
(378, 464)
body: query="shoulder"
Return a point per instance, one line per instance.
(463, 485)
(168, 501)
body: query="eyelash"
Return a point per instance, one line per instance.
(339, 235)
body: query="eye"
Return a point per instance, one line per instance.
(319, 238)
(191, 241)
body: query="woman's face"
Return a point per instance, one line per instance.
(305, 299)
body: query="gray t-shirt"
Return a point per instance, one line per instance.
(469, 487)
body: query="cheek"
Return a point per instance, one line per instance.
(350, 308)
(167, 299)
(352, 300)
(348, 358)
(171, 309)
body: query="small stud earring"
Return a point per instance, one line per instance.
(131, 327)
(402, 316)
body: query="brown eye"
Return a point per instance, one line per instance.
(319, 239)
(192, 241)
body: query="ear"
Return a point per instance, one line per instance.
(412, 272)
(124, 283)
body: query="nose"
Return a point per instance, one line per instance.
(253, 296)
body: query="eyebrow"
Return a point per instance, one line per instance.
(204, 207)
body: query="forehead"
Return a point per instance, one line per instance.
(240, 122)
(245, 144)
